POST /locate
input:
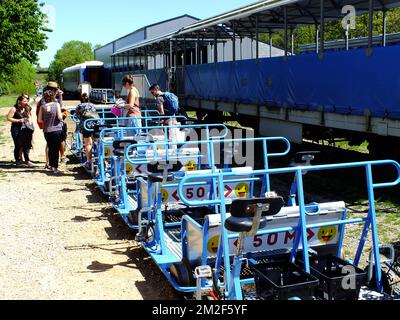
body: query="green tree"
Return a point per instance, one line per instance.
(23, 77)
(22, 32)
(22, 36)
(71, 53)
(334, 30)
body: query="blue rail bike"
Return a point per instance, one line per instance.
(164, 216)
(131, 157)
(260, 248)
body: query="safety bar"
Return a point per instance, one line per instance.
(209, 144)
(103, 111)
(209, 176)
(164, 128)
(117, 120)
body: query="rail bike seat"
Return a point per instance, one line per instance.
(304, 158)
(98, 128)
(118, 153)
(122, 144)
(243, 213)
(159, 167)
(156, 177)
(101, 127)
(189, 121)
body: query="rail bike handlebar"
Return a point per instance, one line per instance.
(209, 144)
(148, 116)
(157, 127)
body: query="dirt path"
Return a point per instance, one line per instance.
(59, 238)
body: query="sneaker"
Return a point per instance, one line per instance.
(18, 164)
(88, 166)
(47, 167)
(29, 164)
(57, 172)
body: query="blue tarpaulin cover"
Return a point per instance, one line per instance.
(346, 82)
(158, 76)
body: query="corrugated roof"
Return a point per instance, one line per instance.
(270, 16)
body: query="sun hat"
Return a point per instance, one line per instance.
(52, 85)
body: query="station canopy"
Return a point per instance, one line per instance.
(261, 17)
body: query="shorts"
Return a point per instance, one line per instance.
(136, 123)
(86, 134)
(64, 132)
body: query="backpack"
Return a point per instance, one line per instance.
(88, 114)
(171, 101)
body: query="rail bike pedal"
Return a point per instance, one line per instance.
(143, 224)
(202, 273)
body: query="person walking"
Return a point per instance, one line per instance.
(52, 86)
(20, 118)
(50, 116)
(132, 106)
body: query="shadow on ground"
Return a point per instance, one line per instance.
(121, 242)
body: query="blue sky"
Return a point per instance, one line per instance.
(102, 21)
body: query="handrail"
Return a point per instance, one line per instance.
(142, 128)
(299, 170)
(197, 142)
(210, 154)
(148, 117)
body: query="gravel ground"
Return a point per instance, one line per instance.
(59, 238)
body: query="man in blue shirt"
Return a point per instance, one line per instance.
(167, 102)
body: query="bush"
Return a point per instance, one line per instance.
(23, 76)
(19, 79)
(4, 86)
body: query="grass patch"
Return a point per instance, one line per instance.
(7, 101)
(363, 148)
(343, 144)
(3, 119)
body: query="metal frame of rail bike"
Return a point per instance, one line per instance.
(232, 283)
(124, 170)
(103, 146)
(152, 213)
(76, 144)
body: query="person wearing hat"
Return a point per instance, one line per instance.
(51, 117)
(53, 87)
